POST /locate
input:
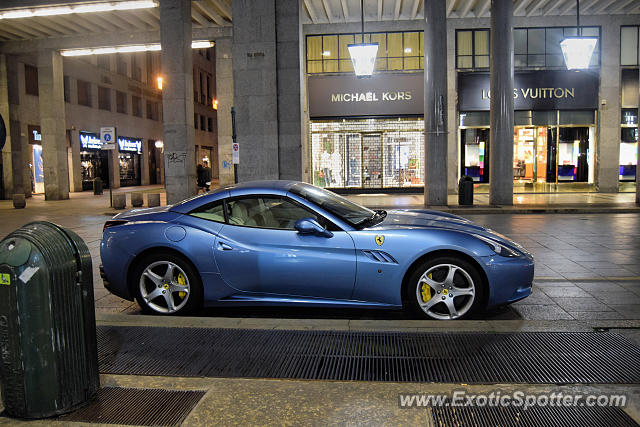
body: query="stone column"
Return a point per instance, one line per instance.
(501, 114)
(224, 95)
(289, 69)
(53, 125)
(608, 143)
(7, 170)
(435, 104)
(75, 175)
(267, 76)
(638, 134)
(177, 99)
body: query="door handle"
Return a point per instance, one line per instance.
(224, 247)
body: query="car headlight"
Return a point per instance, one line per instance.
(498, 248)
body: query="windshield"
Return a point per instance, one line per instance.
(343, 208)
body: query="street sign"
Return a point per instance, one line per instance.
(108, 138)
(235, 153)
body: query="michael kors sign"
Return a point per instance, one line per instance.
(379, 95)
(536, 90)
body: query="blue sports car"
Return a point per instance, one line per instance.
(290, 243)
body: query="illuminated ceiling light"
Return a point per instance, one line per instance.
(577, 51)
(407, 50)
(326, 53)
(363, 55)
(159, 79)
(81, 8)
(159, 144)
(199, 44)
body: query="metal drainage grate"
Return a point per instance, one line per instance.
(478, 358)
(133, 406)
(557, 416)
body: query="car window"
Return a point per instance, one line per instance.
(212, 212)
(266, 212)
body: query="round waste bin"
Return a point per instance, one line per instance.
(465, 190)
(48, 349)
(97, 186)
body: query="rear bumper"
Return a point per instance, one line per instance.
(108, 286)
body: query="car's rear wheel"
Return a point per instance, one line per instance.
(167, 284)
(445, 288)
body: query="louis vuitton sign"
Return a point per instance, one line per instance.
(380, 95)
(535, 90)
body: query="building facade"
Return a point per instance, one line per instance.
(123, 90)
(574, 130)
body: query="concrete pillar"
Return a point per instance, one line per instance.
(638, 134)
(608, 141)
(267, 76)
(177, 99)
(289, 72)
(435, 104)
(75, 174)
(501, 114)
(224, 95)
(144, 163)
(452, 117)
(7, 170)
(52, 123)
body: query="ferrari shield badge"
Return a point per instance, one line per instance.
(379, 240)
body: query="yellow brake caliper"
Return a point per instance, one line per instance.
(426, 290)
(183, 282)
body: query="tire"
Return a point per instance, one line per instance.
(440, 301)
(167, 284)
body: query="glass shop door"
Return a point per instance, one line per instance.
(372, 160)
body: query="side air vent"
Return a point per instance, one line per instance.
(380, 256)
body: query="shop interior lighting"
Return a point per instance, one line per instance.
(363, 55)
(214, 104)
(159, 144)
(80, 8)
(200, 44)
(159, 79)
(577, 51)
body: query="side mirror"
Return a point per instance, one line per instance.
(311, 226)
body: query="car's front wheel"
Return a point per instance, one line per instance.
(167, 284)
(445, 288)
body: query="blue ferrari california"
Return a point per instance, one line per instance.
(290, 243)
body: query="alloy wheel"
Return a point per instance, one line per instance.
(164, 287)
(445, 292)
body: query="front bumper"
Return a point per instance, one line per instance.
(510, 279)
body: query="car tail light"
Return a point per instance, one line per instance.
(113, 222)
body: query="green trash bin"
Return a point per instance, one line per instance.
(48, 349)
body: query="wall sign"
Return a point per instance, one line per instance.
(90, 141)
(130, 144)
(35, 135)
(533, 90)
(382, 94)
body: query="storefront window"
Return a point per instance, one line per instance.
(367, 153)
(397, 51)
(129, 169)
(628, 144)
(533, 47)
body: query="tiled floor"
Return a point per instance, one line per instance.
(587, 265)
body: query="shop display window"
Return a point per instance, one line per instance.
(628, 153)
(474, 154)
(369, 153)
